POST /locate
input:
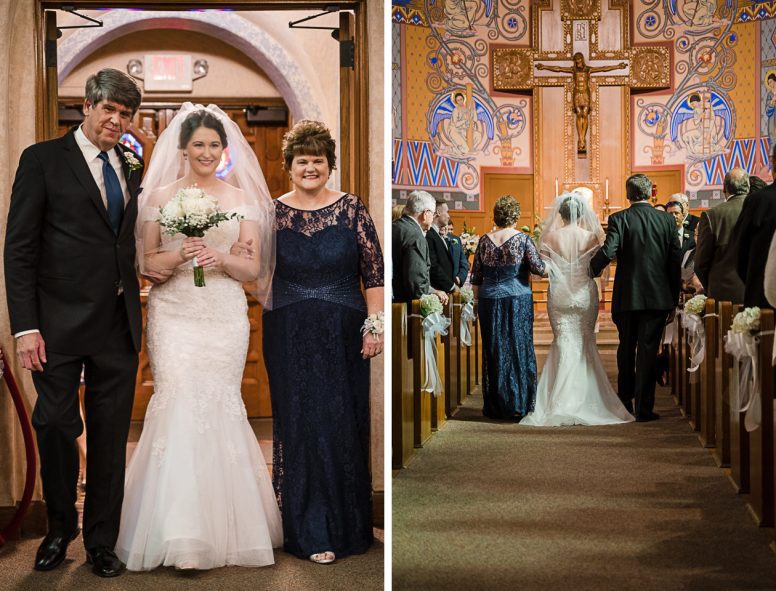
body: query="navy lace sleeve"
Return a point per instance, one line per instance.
(476, 278)
(532, 258)
(369, 252)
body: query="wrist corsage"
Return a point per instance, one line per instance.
(374, 324)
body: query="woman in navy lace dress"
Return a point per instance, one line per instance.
(502, 290)
(318, 339)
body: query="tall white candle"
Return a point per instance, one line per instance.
(556, 187)
(607, 189)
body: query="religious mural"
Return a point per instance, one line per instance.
(464, 71)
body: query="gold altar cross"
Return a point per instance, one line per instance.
(580, 67)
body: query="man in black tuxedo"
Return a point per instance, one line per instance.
(646, 288)
(411, 265)
(752, 235)
(460, 260)
(74, 304)
(684, 232)
(440, 258)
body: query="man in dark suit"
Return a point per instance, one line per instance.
(411, 266)
(715, 259)
(753, 234)
(460, 260)
(73, 300)
(646, 288)
(440, 258)
(683, 231)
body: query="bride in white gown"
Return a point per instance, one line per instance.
(573, 388)
(198, 493)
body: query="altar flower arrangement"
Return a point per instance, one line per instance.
(696, 305)
(467, 295)
(430, 304)
(192, 212)
(747, 321)
(536, 233)
(469, 240)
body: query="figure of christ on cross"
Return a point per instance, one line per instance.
(581, 98)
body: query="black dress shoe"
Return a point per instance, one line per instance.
(104, 562)
(653, 416)
(52, 550)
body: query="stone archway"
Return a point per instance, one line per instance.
(283, 70)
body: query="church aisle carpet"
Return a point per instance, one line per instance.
(363, 572)
(491, 505)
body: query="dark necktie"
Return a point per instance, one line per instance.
(113, 193)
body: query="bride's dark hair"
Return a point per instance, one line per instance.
(200, 119)
(570, 208)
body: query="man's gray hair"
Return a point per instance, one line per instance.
(420, 201)
(736, 181)
(114, 86)
(638, 187)
(681, 198)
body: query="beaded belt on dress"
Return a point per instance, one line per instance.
(345, 292)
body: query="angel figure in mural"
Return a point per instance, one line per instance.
(701, 12)
(702, 124)
(581, 99)
(464, 126)
(770, 104)
(459, 17)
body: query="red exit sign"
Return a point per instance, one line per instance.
(167, 73)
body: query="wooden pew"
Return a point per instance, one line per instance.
(739, 437)
(457, 352)
(683, 376)
(421, 400)
(439, 403)
(723, 368)
(675, 371)
(761, 469)
(402, 391)
(707, 370)
(451, 353)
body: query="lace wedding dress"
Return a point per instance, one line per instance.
(573, 388)
(198, 493)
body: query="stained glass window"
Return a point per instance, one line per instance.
(226, 165)
(130, 141)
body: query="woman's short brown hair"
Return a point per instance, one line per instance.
(311, 138)
(506, 211)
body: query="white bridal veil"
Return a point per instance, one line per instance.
(571, 235)
(244, 191)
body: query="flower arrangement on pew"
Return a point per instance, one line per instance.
(467, 315)
(434, 323)
(692, 322)
(742, 342)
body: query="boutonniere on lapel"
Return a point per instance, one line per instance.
(686, 235)
(132, 162)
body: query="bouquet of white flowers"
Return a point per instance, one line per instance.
(747, 321)
(696, 305)
(429, 304)
(192, 212)
(467, 295)
(469, 240)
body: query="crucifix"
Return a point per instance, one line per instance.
(583, 47)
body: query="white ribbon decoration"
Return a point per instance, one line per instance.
(696, 336)
(434, 324)
(467, 315)
(745, 348)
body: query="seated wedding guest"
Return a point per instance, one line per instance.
(753, 233)
(715, 260)
(460, 260)
(690, 220)
(325, 324)
(411, 265)
(504, 259)
(686, 235)
(440, 257)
